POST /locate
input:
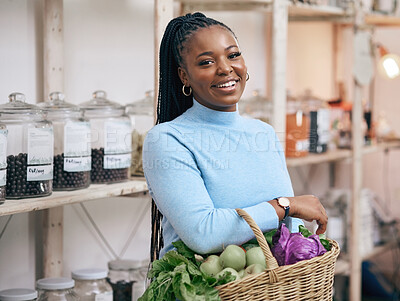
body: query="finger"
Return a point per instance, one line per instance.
(321, 228)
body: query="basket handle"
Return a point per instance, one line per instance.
(269, 258)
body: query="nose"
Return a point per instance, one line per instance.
(224, 67)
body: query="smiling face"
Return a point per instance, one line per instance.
(214, 68)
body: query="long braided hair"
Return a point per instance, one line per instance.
(171, 101)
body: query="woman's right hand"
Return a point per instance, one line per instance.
(309, 208)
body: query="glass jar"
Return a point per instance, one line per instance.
(297, 130)
(111, 140)
(141, 115)
(72, 152)
(257, 106)
(121, 278)
(30, 151)
(91, 285)
(56, 289)
(3, 161)
(18, 294)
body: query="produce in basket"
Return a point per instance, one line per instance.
(289, 248)
(182, 274)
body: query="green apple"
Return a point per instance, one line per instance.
(233, 257)
(255, 255)
(211, 266)
(232, 271)
(242, 273)
(254, 269)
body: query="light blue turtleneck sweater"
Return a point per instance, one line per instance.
(204, 164)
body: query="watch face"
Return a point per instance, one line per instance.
(284, 202)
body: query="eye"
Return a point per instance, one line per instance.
(234, 55)
(205, 62)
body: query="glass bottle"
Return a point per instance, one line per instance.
(319, 116)
(142, 119)
(18, 294)
(297, 130)
(30, 151)
(111, 139)
(56, 289)
(3, 161)
(91, 285)
(72, 152)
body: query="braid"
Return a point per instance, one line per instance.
(171, 101)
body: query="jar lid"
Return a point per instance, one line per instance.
(57, 102)
(89, 274)
(17, 105)
(143, 106)
(55, 283)
(124, 264)
(100, 102)
(18, 294)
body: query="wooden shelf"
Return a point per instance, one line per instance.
(329, 156)
(307, 10)
(61, 198)
(225, 5)
(339, 154)
(382, 20)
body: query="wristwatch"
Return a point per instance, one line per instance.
(285, 204)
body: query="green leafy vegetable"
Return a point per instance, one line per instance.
(184, 250)
(254, 243)
(306, 233)
(177, 276)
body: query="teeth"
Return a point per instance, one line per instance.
(228, 84)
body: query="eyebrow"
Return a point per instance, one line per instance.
(210, 52)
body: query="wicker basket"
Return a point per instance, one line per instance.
(310, 279)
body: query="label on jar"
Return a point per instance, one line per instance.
(39, 172)
(302, 145)
(107, 296)
(3, 149)
(117, 161)
(3, 177)
(40, 146)
(323, 128)
(77, 149)
(76, 164)
(117, 137)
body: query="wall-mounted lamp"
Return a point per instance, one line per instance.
(389, 63)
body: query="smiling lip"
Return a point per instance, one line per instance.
(228, 84)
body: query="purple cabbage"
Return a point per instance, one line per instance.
(289, 248)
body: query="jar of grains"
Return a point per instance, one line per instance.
(111, 141)
(56, 289)
(141, 115)
(72, 151)
(91, 285)
(30, 151)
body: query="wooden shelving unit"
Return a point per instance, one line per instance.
(61, 198)
(283, 12)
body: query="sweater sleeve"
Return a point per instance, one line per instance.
(177, 187)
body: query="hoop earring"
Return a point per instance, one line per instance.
(184, 92)
(248, 76)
